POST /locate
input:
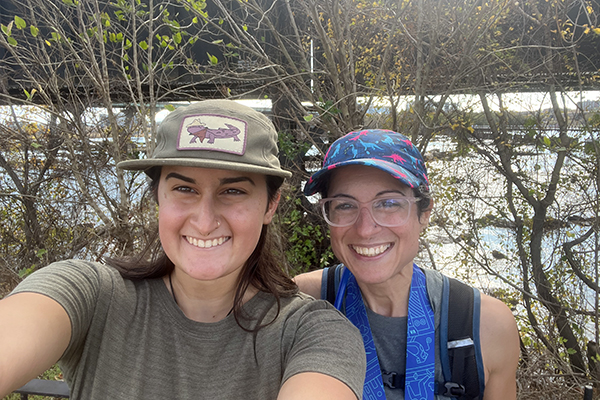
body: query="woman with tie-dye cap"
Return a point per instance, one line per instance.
(376, 198)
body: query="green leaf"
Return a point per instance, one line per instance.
(195, 20)
(36, 146)
(25, 272)
(20, 22)
(144, 45)
(11, 40)
(34, 31)
(170, 107)
(29, 96)
(547, 141)
(308, 118)
(6, 29)
(245, 28)
(571, 351)
(177, 38)
(212, 59)
(217, 41)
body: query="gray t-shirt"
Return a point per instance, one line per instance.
(131, 341)
(389, 337)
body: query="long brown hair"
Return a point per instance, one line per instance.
(263, 269)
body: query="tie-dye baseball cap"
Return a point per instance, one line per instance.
(387, 150)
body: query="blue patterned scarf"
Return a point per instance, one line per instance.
(420, 340)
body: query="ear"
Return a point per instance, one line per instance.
(271, 209)
(424, 220)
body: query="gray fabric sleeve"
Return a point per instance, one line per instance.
(75, 285)
(324, 341)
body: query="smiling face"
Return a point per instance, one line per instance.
(374, 254)
(210, 220)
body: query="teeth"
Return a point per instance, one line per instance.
(206, 244)
(371, 251)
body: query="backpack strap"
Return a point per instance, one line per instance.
(330, 282)
(460, 347)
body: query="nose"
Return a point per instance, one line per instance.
(365, 225)
(204, 217)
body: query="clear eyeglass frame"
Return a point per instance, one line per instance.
(392, 217)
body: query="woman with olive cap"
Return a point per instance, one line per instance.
(210, 314)
(375, 196)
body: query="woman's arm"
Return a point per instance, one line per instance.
(499, 348)
(34, 333)
(315, 386)
(310, 283)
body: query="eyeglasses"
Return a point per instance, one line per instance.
(386, 211)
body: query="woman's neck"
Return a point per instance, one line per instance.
(389, 298)
(204, 301)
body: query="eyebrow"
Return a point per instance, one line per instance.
(224, 181)
(237, 179)
(180, 177)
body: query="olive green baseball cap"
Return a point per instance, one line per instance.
(219, 134)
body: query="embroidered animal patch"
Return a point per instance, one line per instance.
(213, 132)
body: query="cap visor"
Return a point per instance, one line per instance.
(316, 181)
(140, 165)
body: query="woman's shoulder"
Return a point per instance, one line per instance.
(297, 308)
(75, 284)
(305, 303)
(304, 312)
(79, 273)
(318, 338)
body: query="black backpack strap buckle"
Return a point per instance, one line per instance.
(392, 380)
(453, 389)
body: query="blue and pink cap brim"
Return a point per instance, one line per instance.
(373, 148)
(316, 181)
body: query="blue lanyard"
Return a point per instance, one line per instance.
(420, 340)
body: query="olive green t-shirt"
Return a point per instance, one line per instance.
(131, 341)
